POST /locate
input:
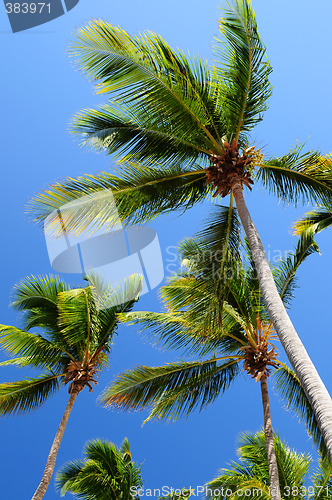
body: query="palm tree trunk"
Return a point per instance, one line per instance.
(271, 455)
(50, 464)
(311, 382)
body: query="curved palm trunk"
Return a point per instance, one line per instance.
(311, 382)
(271, 455)
(50, 464)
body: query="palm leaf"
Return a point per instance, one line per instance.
(138, 137)
(40, 351)
(145, 72)
(322, 480)
(37, 296)
(141, 192)
(244, 69)
(172, 389)
(26, 395)
(251, 473)
(298, 177)
(314, 221)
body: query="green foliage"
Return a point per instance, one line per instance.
(73, 330)
(205, 315)
(251, 471)
(243, 75)
(176, 388)
(166, 114)
(26, 395)
(298, 177)
(106, 473)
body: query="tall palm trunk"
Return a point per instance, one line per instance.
(271, 455)
(50, 464)
(311, 382)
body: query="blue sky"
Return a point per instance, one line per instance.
(40, 92)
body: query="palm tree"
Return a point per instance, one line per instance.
(249, 475)
(106, 473)
(220, 318)
(182, 129)
(72, 349)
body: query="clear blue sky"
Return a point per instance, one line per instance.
(40, 92)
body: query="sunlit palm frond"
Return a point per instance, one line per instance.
(314, 221)
(137, 195)
(37, 297)
(145, 72)
(77, 317)
(220, 231)
(322, 480)
(243, 75)
(200, 390)
(41, 352)
(26, 395)
(298, 177)
(190, 384)
(133, 135)
(171, 330)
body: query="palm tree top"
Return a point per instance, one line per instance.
(173, 121)
(106, 473)
(250, 472)
(71, 342)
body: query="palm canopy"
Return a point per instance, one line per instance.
(106, 473)
(167, 115)
(250, 474)
(220, 318)
(71, 342)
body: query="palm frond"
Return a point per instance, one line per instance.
(77, 317)
(139, 138)
(173, 389)
(285, 272)
(220, 231)
(37, 297)
(40, 351)
(290, 389)
(138, 194)
(26, 395)
(37, 291)
(314, 221)
(243, 70)
(298, 177)
(171, 330)
(144, 72)
(322, 480)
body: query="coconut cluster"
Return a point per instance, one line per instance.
(230, 168)
(259, 358)
(80, 375)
